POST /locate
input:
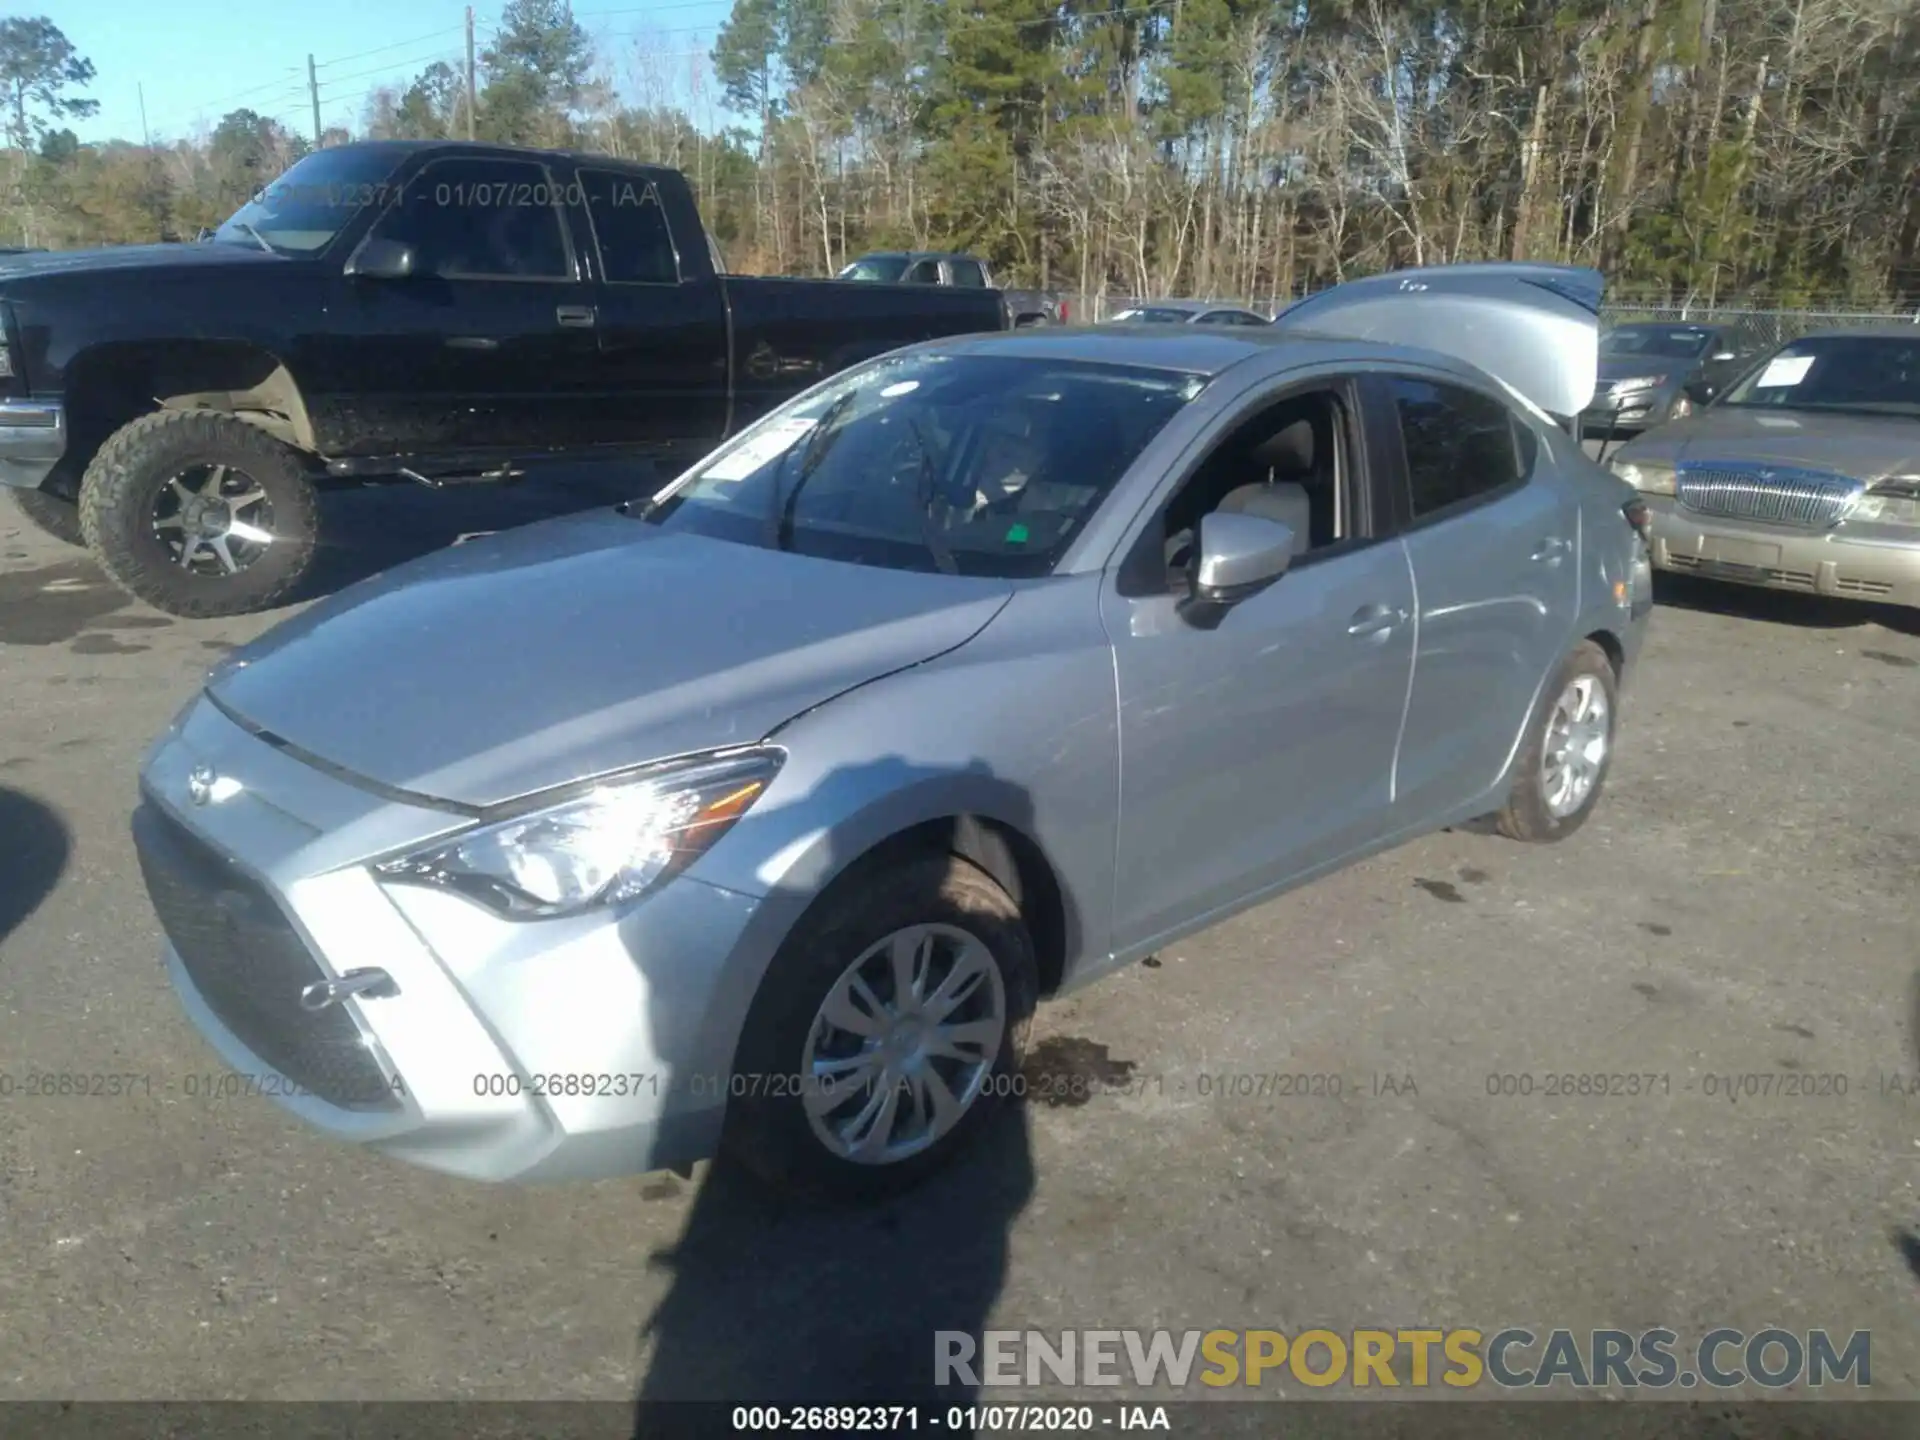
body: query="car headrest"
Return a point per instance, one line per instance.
(1290, 452)
(1285, 502)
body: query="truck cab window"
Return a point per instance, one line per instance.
(968, 273)
(481, 219)
(636, 244)
(924, 272)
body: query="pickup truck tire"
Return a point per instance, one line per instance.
(166, 486)
(51, 514)
(767, 1128)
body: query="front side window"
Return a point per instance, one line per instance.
(1857, 374)
(1459, 443)
(636, 245)
(970, 464)
(969, 274)
(301, 211)
(482, 219)
(923, 272)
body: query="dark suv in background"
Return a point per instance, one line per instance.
(1653, 372)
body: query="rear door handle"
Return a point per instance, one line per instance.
(575, 317)
(1550, 550)
(1370, 621)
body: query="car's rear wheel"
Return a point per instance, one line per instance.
(1569, 748)
(888, 1029)
(199, 514)
(55, 515)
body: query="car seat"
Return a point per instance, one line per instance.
(1281, 496)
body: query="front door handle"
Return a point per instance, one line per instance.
(1375, 621)
(575, 317)
(1550, 550)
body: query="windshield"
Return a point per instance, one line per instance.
(886, 269)
(1869, 375)
(303, 210)
(1152, 315)
(972, 464)
(1665, 342)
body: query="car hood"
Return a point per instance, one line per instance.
(562, 650)
(1629, 367)
(177, 256)
(1863, 446)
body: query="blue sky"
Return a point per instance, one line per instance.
(198, 59)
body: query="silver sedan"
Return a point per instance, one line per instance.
(760, 816)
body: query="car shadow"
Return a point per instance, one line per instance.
(366, 529)
(775, 1300)
(1778, 607)
(1906, 1239)
(35, 847)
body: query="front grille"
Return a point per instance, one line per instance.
(250, 965)
(1805, 499)
(1846, 584)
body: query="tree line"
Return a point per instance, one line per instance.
(1710, 150)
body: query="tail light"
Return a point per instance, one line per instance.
(1640, 518)
(1063, 312)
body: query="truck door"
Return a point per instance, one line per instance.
(486, 345)
(660, 313)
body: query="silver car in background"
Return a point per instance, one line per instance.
(1805, 475)
(758, 817)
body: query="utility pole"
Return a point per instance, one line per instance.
(146, 138)
(313, 94)
(470, 72)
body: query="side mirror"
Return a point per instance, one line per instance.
(1237, 557)
(378, 259)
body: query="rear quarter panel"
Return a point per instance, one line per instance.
(789, 334)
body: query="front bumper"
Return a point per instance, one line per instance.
(554, 1050)
(1856, 561)
(33, 437)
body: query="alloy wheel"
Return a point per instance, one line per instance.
(213, 519)
(1578, 734)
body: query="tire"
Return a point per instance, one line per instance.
(1530, 811)
(767, 1129)
(51, 514)
(126, 486)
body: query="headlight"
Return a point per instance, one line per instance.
(1638, 382)
(1895, 501)
(1645, 476)
(615, 841)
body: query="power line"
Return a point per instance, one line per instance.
(397, 45)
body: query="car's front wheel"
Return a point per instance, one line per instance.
(199, 513)
(888, 1029)
(1569, 747)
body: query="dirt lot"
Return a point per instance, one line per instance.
(1742, 905)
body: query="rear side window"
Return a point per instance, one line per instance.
(969, 274)
(1460, 444)
(636, 244)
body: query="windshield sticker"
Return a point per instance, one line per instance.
(769, 444)
(1016, 534)
(1787, 370)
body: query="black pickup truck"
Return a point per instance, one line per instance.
(422, 311)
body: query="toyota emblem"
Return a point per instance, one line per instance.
(200, 783)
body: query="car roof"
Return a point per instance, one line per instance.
(1909, 332)
(488, 147)
(1196, 351)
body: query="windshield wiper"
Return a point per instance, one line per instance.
(779, 522)
(254, 235)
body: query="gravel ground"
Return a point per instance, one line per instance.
(1742, 904)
